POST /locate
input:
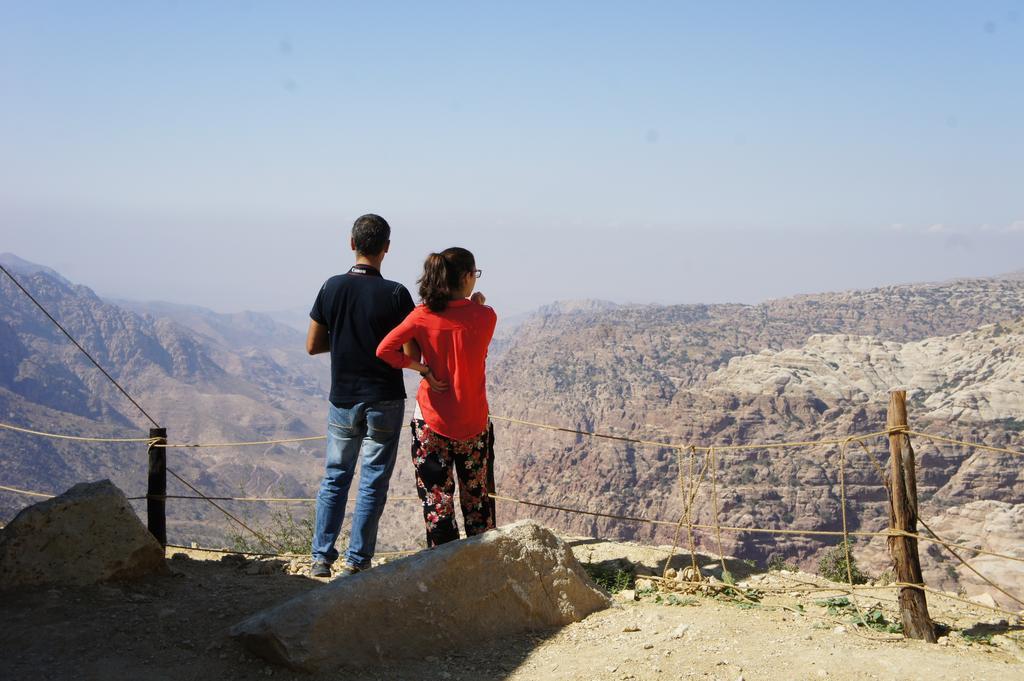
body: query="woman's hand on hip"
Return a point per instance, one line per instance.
(435, 384)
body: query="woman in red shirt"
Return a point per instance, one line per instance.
(452, 328)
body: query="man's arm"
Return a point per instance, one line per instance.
(317, 340)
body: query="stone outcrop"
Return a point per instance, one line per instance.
(978, 374)
(994, 526)
(518, 578)
(88, 534)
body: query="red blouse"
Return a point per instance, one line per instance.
(454, 344)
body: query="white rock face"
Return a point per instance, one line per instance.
(994, 526)
(88, 534)
(977, 375)
(518, 578)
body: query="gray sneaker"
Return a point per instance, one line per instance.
(320, 569)
(347, 570)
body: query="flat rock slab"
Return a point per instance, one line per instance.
(87, 535)
(456, 596)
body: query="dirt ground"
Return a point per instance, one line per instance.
(174, 627)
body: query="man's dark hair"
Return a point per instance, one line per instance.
(370, 234)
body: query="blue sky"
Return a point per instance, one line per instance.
(215, 153)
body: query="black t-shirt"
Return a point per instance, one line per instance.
(360, 308)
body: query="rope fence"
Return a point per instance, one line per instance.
(17, 490)
(962, 443)
(732, 529)
(264, 554)
(689, 483)
(76, 438)
(605, 436)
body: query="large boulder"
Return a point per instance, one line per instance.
(456, 596)
(88, 534)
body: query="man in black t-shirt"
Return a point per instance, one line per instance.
(352, 313)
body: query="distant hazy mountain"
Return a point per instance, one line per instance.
(239, 329)
(296, 317)
(1015, 276)
(206, 377)
(262, 341)
(582, 305)
(19, 266)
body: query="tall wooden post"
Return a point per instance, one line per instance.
(902, 485)
(156, 514)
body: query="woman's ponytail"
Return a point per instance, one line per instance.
(442, 276)
(434, 289)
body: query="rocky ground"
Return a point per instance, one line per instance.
(174, 627)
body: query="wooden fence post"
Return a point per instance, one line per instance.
(156, 514)
(902, 487)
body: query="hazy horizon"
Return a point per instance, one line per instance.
(663, 153)
(283, 314)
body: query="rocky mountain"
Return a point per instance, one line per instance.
(977, 375)
(251, 344)
(803, 368)
(800, 368)
(973, 380)
(206, 377)
(15, 264)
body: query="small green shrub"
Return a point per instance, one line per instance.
(283, 533)
(1011, 424)
(776, 562)
(983, 639)
(837, 605)
(875, 619)
(872, 619)
(743, 598)
(614, 578)
(673, 599)
(832, 566)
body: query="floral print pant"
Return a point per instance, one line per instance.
(434, 456)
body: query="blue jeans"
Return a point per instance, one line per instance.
(371, 429)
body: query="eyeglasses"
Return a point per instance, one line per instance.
(478, 273)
